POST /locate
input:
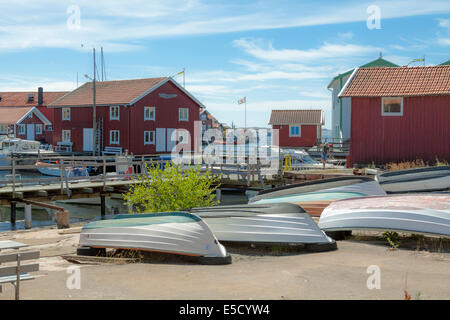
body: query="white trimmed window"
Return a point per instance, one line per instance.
(49, 128)
(295, 131)
(149, 113)
(392, 106)
(21, 128)
(183, 114)
(114, 137)
(66, 113)
(65, 136)
(149, 137)
(114, 113)
(4, 128)
(38, 128)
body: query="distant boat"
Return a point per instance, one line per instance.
(415, 180)
(178, 233)
(52, 169)
(314, 196)
(280, 223)
(10, 146)
(415, 213)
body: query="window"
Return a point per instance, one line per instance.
(183, 114)
(38, 128)
(21, 129)
(65, 136)
(66, 113)
(392, 106)
(114, 113)
(49, 128)
(114, 137)
(149, 113)
(294, 131)
(4, 128)
(149, 137)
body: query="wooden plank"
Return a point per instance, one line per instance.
(9, 257)
(7, 271)
(13, 278)
(87, 190)
(9, 244)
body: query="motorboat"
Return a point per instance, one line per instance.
(180, 233)
(415, 180)
(52, 168)
(10, 146)
(279, 223)
(415, 213)
(314, 196)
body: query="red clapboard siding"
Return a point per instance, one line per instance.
(308, 136)
(423, 132)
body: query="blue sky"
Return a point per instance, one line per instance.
(279, 54)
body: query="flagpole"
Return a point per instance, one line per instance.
(184, 77)
(245, 113)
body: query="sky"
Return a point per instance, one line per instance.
(278, 54)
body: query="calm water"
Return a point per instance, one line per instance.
(78, 211)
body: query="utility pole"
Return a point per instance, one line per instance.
(94, 115)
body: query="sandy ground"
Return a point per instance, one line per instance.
(254, 273)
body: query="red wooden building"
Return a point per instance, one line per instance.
(25, 114)
(298, 128)
(137, 115)
(399, 114)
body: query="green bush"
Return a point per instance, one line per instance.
(172, 189)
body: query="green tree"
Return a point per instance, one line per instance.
(172, 189)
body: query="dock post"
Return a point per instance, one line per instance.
(13, 213)
(27, 216)
(219, 195)
(102, 205)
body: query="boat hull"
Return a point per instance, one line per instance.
(176, 233)
(415, 213)
(282, 223)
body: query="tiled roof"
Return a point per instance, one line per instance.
(20, 99)
(11, 115)
(403, 81)
(108, 92)
(279, 117)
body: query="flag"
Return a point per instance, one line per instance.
(243, 100)
(182, 72)
(415, 60)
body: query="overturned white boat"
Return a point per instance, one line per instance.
(415, 180)
(415, 213)
(314, 196)
(179, 233)
(280, 223)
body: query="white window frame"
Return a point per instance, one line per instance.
(111, 134)
(150, 135)
(38, 128)
(180, 111)
(21, 129)
(64, 115)
(150, 108)
(299, 130)
(65, 136)
(383, 113)
(114, 113)
(49, 128)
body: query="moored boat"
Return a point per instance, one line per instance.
(416, 180)
(415, 213)
(178, 233)
(280, 223)
(314, 196)
(52, 169)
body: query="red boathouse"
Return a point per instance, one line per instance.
(399, 114)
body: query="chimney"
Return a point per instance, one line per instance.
(40, 96)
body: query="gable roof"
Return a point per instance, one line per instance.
(279, 117)
(402, 81)
(15, 115)
(20, 99)
(380, 62)
(123, 92)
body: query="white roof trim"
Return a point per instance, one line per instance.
(39, 114)
(348, 82)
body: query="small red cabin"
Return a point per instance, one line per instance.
(399, 114)
(298, 128)
(138, 116)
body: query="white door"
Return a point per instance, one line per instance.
(160, 139)
(88, 139)
(30, 131)
(170, 144)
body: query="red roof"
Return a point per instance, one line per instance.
(109, 92)
(279, 117)
(20, 99)
(403, 81)
(11, 115)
